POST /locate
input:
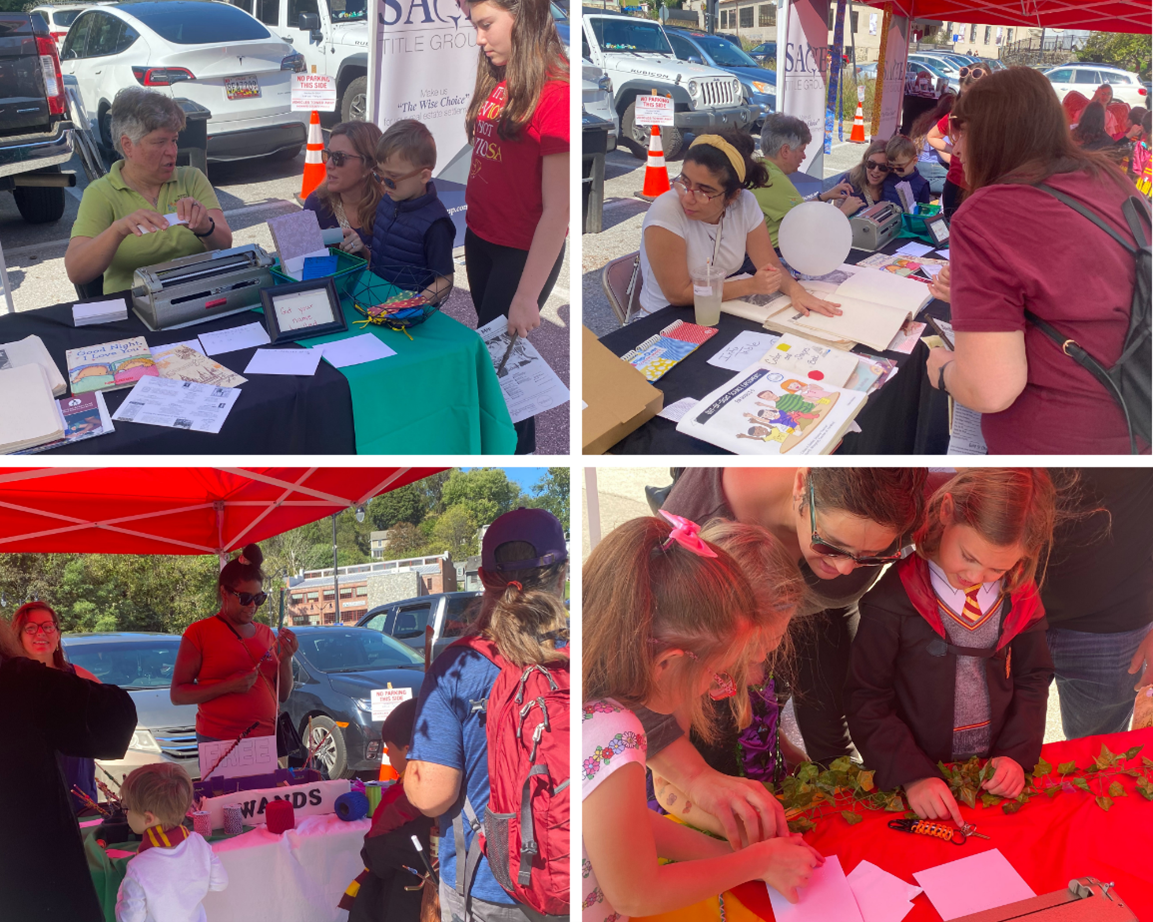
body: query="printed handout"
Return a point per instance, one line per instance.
(177, 404)
(529, 385)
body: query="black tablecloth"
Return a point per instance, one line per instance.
(275, 414)
(905, 416)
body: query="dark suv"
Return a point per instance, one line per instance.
(446, 613)
(759, 85)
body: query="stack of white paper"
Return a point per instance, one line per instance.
(881, 896)
(29, 350)
(29, 414)
(99, 312)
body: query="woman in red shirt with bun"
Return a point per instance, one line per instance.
(518, 187)
(955, 185)
(228, 664)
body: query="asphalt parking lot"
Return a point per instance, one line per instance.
(251, 192)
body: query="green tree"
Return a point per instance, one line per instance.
(404, 540)
(552, 493)
(1129, 52)
(455, 532)
(406, 504)
(485, 493)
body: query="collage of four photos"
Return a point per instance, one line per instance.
(319, 644)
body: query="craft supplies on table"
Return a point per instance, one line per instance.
(659, 353)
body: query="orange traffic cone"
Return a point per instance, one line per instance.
(858, 133)
(314, 173)
(656, 173)
(387, 772)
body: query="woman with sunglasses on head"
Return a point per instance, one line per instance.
(228, 664)
(350, 192)
(868, 176)
(932, 164)
(938, 138)
(710, 215)
(1033, 397)
(841, 525)
(38, 628)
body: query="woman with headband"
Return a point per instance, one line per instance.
(710, 215)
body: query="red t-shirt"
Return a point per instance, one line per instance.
(503, 195)
(956, 174)
(223, 655)
(1014, 247)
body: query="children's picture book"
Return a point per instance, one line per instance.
(84, 417)
(871, 372)
(186, 364)
(109, 366)
(662, 351)
(764, 411)
(32, 349)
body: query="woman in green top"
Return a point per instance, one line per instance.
(121, 223)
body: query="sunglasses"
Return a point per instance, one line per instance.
(339, 158)
(248, 598)
(879, 167)
(390, 183)
(973, 72)
(822, 547)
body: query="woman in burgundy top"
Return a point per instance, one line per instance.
(1016, 248)
(228, 664)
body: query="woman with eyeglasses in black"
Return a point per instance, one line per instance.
(350, 192)
(231, 666)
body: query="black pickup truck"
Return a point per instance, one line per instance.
(35, 130)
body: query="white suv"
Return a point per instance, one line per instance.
(210, 53)
(1085, 78)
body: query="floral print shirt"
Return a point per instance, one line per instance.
(611, 736)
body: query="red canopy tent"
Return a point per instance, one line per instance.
(177, 510)
(1098, 15)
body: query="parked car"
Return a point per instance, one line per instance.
(60, 18)
(211, 53)
(866, 71)
(1085, 78)
(764, 53)
(560, 17)
(334, 672)
(446, 613)
(933, 71)
(35, 130)
(141, 663)
(759, 85)
(944, 62)
(597, 99)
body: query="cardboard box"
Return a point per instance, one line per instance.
(618, 398)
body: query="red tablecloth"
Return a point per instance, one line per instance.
(1049, 841)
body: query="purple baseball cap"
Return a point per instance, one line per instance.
(537, 527)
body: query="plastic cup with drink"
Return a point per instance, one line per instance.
(708, 287)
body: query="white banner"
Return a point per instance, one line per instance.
(422, 65)
(896, 62)
(803, 58)
(314, 798)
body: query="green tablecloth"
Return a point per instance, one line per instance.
(438, 395)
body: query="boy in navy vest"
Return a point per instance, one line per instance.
(412, 233)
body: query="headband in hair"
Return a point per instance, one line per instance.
(687, 535)
(734, 155)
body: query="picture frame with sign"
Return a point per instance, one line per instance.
(302, 310)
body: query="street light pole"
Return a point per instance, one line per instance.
(335, 573)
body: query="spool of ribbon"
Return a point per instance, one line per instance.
(351, 806)
(202, 822)
(373, 791)
(279, 816)
(233, 820)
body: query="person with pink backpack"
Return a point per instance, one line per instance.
(490, 742)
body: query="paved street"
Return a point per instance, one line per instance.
(624, 213)
(251, 192)
(621, 495)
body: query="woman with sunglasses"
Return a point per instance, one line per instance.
(938, 138)
(868, 176)
(350, 192)
(711, 215)
(841, 525)
(228, 664)
(38, 628)
(1033, 397)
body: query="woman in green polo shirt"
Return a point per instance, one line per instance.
(121, 223)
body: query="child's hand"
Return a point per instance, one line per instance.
(790, 862)
(1008, 780)
(931, 799)
(523, 315)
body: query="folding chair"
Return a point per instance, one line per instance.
(621, 281)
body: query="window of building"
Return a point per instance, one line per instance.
(362, 590)
(746, 17)
(1008, 35)
(297, 597)
(724, 19)
(346, 593)
(988, 34)
(312, 597)
(328, 594)
(973, 34)
(855, 22)
(766, 15)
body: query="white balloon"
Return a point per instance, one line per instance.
(815, 238)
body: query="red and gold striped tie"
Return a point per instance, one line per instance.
(972, 609)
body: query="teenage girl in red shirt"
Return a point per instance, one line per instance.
(517, 193)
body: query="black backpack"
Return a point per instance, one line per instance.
(1130, 380)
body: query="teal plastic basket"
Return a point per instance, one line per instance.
(349, 269)
(915, 223)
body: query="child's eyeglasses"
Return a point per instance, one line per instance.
(390, 183)
(822, 547)
(338, 158)
(248, 598)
